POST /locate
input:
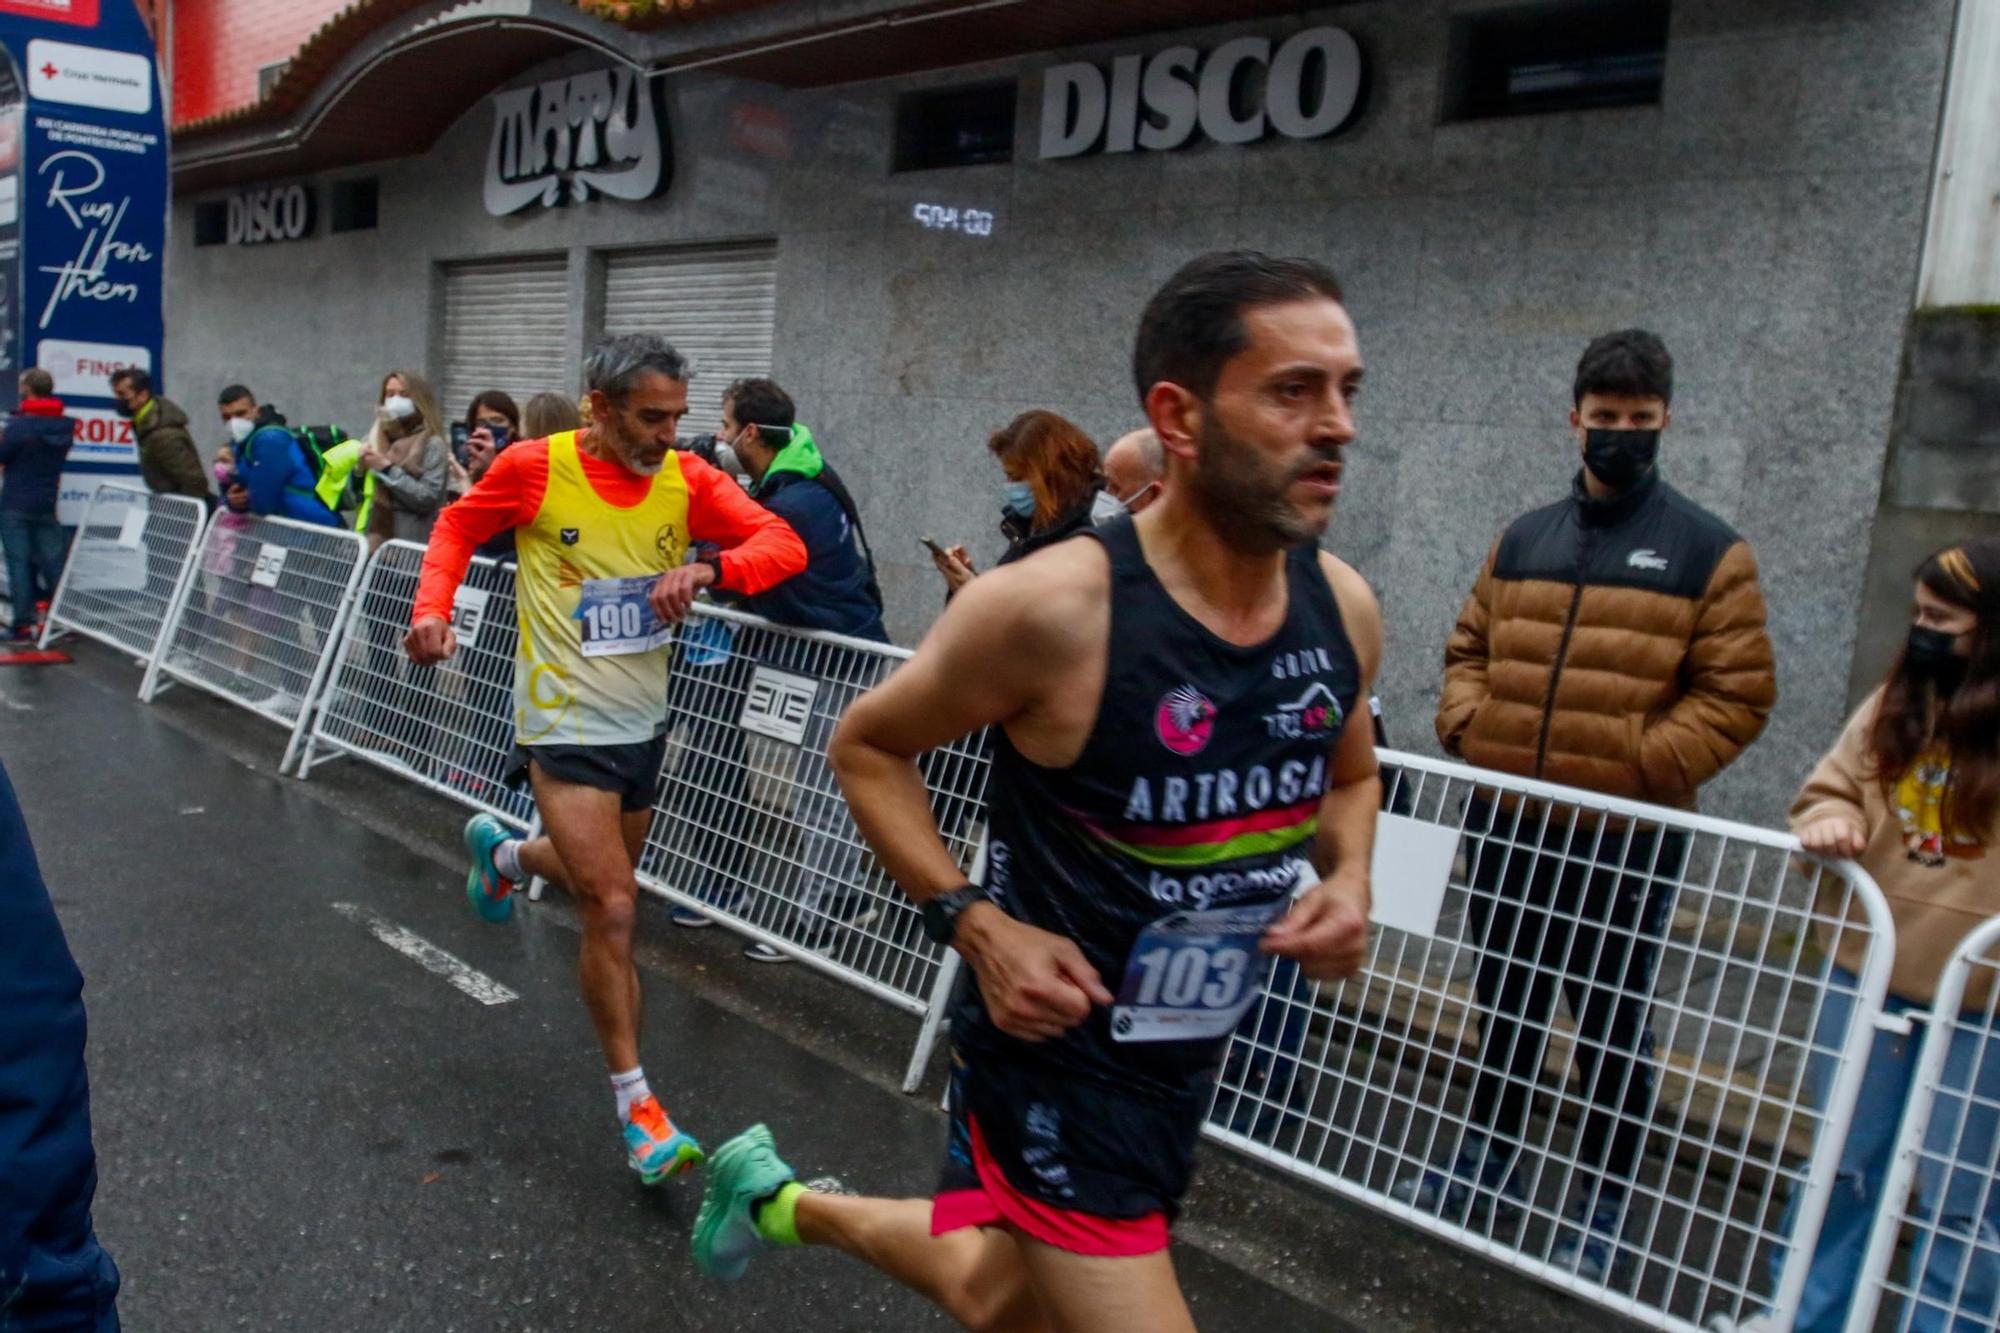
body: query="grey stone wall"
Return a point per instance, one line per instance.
(1765, 219)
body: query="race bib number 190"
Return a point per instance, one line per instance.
(617, 618)
(1193, 975)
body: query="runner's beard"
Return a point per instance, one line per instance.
(631, 452)
(1244, 498)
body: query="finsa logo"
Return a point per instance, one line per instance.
(1314, 715)
(566, 140)
(1646, 559)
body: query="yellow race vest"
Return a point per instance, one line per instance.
(592, 667)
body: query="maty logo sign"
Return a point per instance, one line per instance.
(87, 76)
(83, 370)
(83, 13)
(561, 141)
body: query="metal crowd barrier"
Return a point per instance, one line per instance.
(258, 625)
(450, 727)
(1942, 1190)
(1577, 1005)
(132, 556)
(751, 826)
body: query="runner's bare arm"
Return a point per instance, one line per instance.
(1326, 933)
(1009, 647)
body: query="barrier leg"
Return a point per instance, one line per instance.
(149, 685)
(941, 989)
(343, 617)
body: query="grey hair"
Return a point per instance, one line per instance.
(1151, 454)
(615, 365)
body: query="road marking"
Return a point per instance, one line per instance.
(435, 960)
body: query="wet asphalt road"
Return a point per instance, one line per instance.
(299, 1128)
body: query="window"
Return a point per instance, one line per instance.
(955, 127)
(268, 76)
(211, 223)
(1571, 56)
(354, 204)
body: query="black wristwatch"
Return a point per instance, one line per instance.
(941, 912)
(716, 567)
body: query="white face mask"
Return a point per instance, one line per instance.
(396, 407)
(240, 429)
(1104, 508)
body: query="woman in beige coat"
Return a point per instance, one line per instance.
(1911, 793)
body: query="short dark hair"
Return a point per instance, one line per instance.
(758, 401)
(232, 392)
(497, 400)
(134, 378)
(1630, 363)
(1194, 324)
(38, 382)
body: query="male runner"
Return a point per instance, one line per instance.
(1171, 701)
(603, 518)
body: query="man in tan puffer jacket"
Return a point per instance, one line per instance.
(1614, 641)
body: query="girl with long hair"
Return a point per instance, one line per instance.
(1911, 793)
(406, 451)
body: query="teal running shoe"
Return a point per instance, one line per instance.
(490, 892)
(653, 1147)
(744, 1171)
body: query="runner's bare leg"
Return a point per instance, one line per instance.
(974, 1274)
(597, 871)
(1085, 1294)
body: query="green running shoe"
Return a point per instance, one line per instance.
(742, 1172)
(490, 892)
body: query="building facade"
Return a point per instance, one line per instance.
(462, 189)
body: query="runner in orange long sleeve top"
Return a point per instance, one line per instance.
(603, 519)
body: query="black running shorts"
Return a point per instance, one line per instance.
(631, 770)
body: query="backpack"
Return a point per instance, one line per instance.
(831, 480)
(314, 441)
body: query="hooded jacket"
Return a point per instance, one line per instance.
(168, 458)
(32, 450)
(837, 590)
(271, 464)
(1614, 645)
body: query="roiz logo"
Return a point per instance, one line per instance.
(1184, 720)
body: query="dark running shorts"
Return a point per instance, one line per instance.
(631, 770)
(1070, 1165)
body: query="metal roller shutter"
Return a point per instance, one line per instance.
(716, 304)
(504, 325)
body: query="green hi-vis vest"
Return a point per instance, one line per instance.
(340, 462)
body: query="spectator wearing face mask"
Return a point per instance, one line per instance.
(1911, 793)
(168, 458)
(1053, 478)
(1135, 468)
(269, 473)
(406, 457)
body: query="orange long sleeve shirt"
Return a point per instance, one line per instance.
(760, 550)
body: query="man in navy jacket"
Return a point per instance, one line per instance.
(32, 449)
(54, 1276)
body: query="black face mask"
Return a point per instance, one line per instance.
(127, 411)
(1929, 656)
(1619, 457)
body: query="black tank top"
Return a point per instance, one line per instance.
(1178, 833)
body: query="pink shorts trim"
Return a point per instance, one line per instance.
(997, 1203)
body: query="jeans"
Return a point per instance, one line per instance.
(1961, 1203)
(1549, 922)
(36, 546)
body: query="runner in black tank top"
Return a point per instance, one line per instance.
(1172, 704)
(1189, 812)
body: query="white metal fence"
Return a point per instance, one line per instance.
(132, 555)
(1580, 1046)
(1933, 1259)
(751, 824)
(257, 623)
(449, 727)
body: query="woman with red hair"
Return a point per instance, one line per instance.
(1053, 476)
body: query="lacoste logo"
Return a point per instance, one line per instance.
(571, 536)
(1646, 560)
